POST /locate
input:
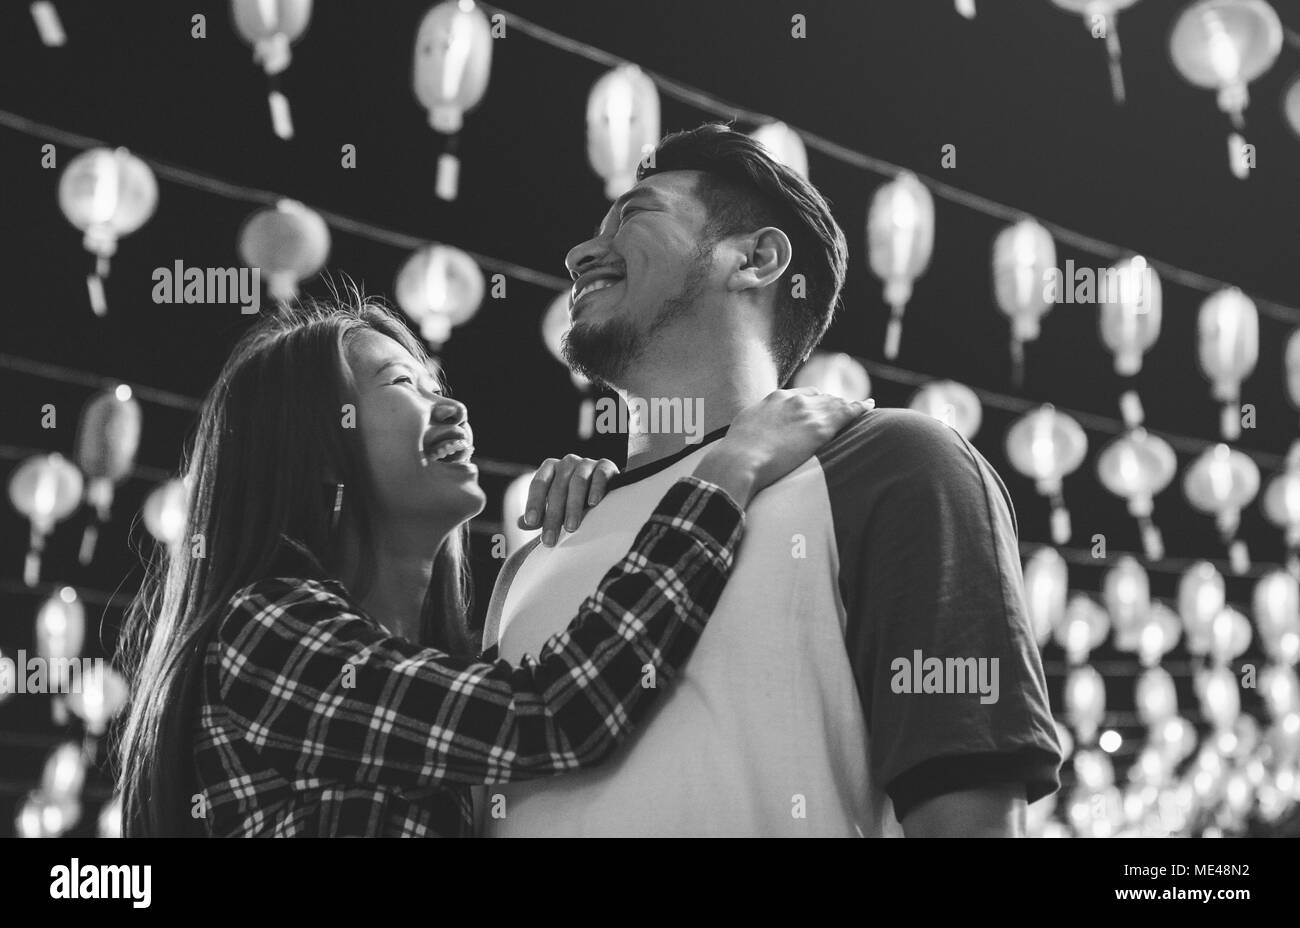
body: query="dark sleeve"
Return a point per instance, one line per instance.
(321, 691)
(930, 576)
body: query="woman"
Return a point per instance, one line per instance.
(303, 666)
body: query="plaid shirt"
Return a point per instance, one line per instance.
(314, 721)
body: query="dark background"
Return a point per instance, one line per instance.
(1022, 92)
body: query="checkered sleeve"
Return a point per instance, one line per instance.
(319, 690)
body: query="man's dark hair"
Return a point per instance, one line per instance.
(743, 188)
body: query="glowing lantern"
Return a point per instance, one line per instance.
(1024, 256)
(1157, 698)
(555, 325)
(1229, 347)
(289, 244)
(1046, 446)
(1085, 702)
(453, 59)
(1084, 627)
(108, 438)
(1230, 635)
(1279, 690)
(1152, 636)
(1291, 104)
(1281, 504)
(107, 194)
(1103, 15)
(1137, 466)
(1223, 45)
(622, 126)
(1046, 579)
(42, 816)
(966, 8)
(271, 26)
(1127, 593)
(900, 239)
(512, 507)
(835, 373)
(1220, 696)
(166, 511)
(784, 145)
(1201, 597)
(952, 403)
(1131, 305)
(1293, 368)
(45, 489)
(1222, 482)
(439, 287)
(48, 25)
(103, 695)
(60, 633)
(1175, 739)
(1277, 614)
(110, 819)
(64, 775)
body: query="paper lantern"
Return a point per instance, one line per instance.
(271, 26)
(1127, 593)
(60, 634)
(166, 512)
(1230, 635)
(900, 239)
(1228, 327)
(106, 193)
(784, 145)
(952, 403)
(288, 243)
(1293, 368)
(1153, 636)
(1156, 698)
(108, 437)
(45, 489)
(64, 775)
(1046, 586)
(966, 8)
(1046, 446)
(512, 507)
(1281, 504)
(1223, 45)
(1175, 738)
(622, 126)
(1085, 702)
(1137, 466)
(1279, 690)
(42, 816)
(1220, 696)
(1276, 601)
(1291, 104)
(1131, 307)
(439, 287)
(110, 819)
(102, 697)
(1083, 628)
(1201, 597)
(1101, 16)
(1024, 257)
(1222, 482)
(453, 60)
(835, 373)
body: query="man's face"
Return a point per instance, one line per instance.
(647, 267)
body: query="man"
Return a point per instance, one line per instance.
(870, 664)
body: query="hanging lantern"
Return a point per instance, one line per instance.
(1230, 636)
(952, 403)
(1229, 347)
(1220, 696)
(1085, 702)
(1127, 593)
(555, 324)
(1137, 466)
(1046, 579)
(1222, 482)
(1277, 614)
(1201, 597)
(622, 126)
(271, 26)
(966, 8)
(45, 489)
(102, 697)
(1024, 257)
(108, 438)
(48, 25)
(1083, 628)
(1223, 45)
(166, 511)
(453, 59)
(439, 287)
(1152, 636)
(1157, 698)
(110, 819)
(1279, 690)
(784, 145)
(42, 816)
(836, 374)
(512, 507)
(1131, 307)
(64, 775)
(900, 239)
(1293, 368)
(1046, 446)
(289, 244)
(1281, 503)
(1291, 104)
(1175, 738)
(1103, 15)
(106, 193)
(60, 634)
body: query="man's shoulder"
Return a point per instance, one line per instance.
(893, 438)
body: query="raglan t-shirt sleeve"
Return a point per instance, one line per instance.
(937, 629)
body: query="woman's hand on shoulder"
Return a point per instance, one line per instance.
(562, 491)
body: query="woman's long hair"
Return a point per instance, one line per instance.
(261, 481)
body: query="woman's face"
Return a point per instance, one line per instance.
(417, 442)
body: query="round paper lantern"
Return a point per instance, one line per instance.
(42, 816)
(1131, 306)
(1222, 482)
(108, 437)
(453, 60)
(271, 26)
(1229, 347)
(439, 287)
(1104, 13)
(555, 325)
(900, 239)
(1279, 690)
(512, 507)
(1157, 698)
(1281, 503)
(64, 775)
(1223, 45)
(166, 511)
(1276, 601)
(1175, 738)
(835, 373)
(1137, 466)
(106, 193)
(1046, 581)
(103, 695)
(784, 145)
(1156, 635)
(1084, 627)
(45, 489)
(1024, 256)
(1201, 597)
(1230, 635)
(966, 8)
(952, 403)
(1126, 592)
(1085, 702)
(1220, 696)
(622, 126)
(1046, 446)
(289, 244)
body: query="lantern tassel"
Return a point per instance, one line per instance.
(1061, 530)
(1113, 54)
(1230, 422)
(48, 25)
(587, 418)
(1237, 156)
(447, 181)
(894, 332)
(95, 286)
(281, 118)
(1293, 563)
(32, 564)
(1017, 362)
(89, 540)
(1152, 543)
(1239, 556)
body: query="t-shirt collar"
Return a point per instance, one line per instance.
(654, 467)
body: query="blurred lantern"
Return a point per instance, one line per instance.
(1094, 770)
(1220, 696)
(1127, 594)
(1229, 348)
(60, 633)
(1046, 580)
(110, 818)
(42, 816)
(1276, 604)
(1223, 45)
(784, 145)
(1101, 17)
(108, 438)
(102, 696)
(835, 373)
(1153, 637)
(1067, 740)
(1222, 482)
(1046, 446)
(1131, 307)
(900, 239)
(1024, 257)
(64, 775)
(1293, 368)
(1279, 690)
(48, 25)
(555, 325)
(966, 8)
(439, 287)
(288, 244)
(1137, 466)
(106, 193)
(622, 126)
(45, 489)
(1230, 636)
(1201, 597)
(512, 507)
(1281, 504)
(1157, 698)
(1083, 627)
(271, 26)
(1085, 703)
(453, 60)
(166, 511)
(1291, 104)
(1175, 738)
(951, 403)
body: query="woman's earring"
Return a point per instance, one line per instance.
(338, 507)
